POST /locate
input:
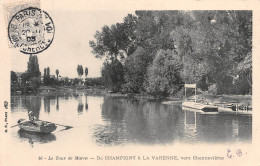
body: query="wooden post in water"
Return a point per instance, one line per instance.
(185, 93)
(195, 95)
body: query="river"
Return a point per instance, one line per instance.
(114, 121)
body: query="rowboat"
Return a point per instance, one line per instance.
(36, 126)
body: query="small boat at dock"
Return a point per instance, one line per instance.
(194, 104)
(199, 106)
(36, 126)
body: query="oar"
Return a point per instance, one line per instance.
(67, 127)
(18, 124)
(14, 126)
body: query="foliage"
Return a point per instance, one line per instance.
(99, 81)
(116, 40)
(75, 81)
(46, 77)
(80, 70)
(33, 67)
(33, 74)
(209, 48)
(164, 76)
(86, 71)
(14, 78)
(57, 73)
(113, 73)
(135, 70)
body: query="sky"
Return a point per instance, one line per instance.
(70, 47)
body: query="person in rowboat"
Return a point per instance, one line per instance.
(34, 120)
(31, 116)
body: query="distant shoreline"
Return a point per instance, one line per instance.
(97, 90)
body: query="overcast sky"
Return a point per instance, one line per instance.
(70, 47)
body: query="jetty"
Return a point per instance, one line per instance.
(202, 105)
(193, 104)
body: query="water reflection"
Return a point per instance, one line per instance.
(33, 105)
(47, 104)
(190, 126)
(116, 120)
(33, 137)
(86, 102)
(80, 104)
(137, 121)
(57, 103)
(80, 108)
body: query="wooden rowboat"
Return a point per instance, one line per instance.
(37, 126)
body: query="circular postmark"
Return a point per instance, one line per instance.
(31, 30)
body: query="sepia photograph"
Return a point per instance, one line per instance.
(112, 86)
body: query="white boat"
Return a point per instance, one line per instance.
(199, 106)
(196, 105)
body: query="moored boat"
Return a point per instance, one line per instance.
(195, 104)
(199, 106)
(37, 126)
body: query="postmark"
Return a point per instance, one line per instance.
(31, 30)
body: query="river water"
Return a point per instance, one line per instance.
(113, 121)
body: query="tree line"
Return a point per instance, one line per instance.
(31, 78)
(156, 52)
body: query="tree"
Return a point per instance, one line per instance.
(33, 67)
(86, 71)
(80, 71)
(45, 76)
(33, 73)
(164, 76)
(14, 78)
(135, 70)
(48, 77)
(114, 75)
(57, 74)
(210, 48)
(116, 40)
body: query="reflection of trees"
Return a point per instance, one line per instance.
(57, 103)
(80, 108)
(75, 95)
(16, 102)
(80, 104)
(66, 96)
(46, 101)
(138, 121)
(33, 104)
(86, 102)
(224, 127)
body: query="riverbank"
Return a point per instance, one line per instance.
(241, 100)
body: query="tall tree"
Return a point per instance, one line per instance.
(14, 78)
(33, 73)
(48, 77)
(45, 76)
(57, 74)
(80, 72)
(33, 67)
(86, 72)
